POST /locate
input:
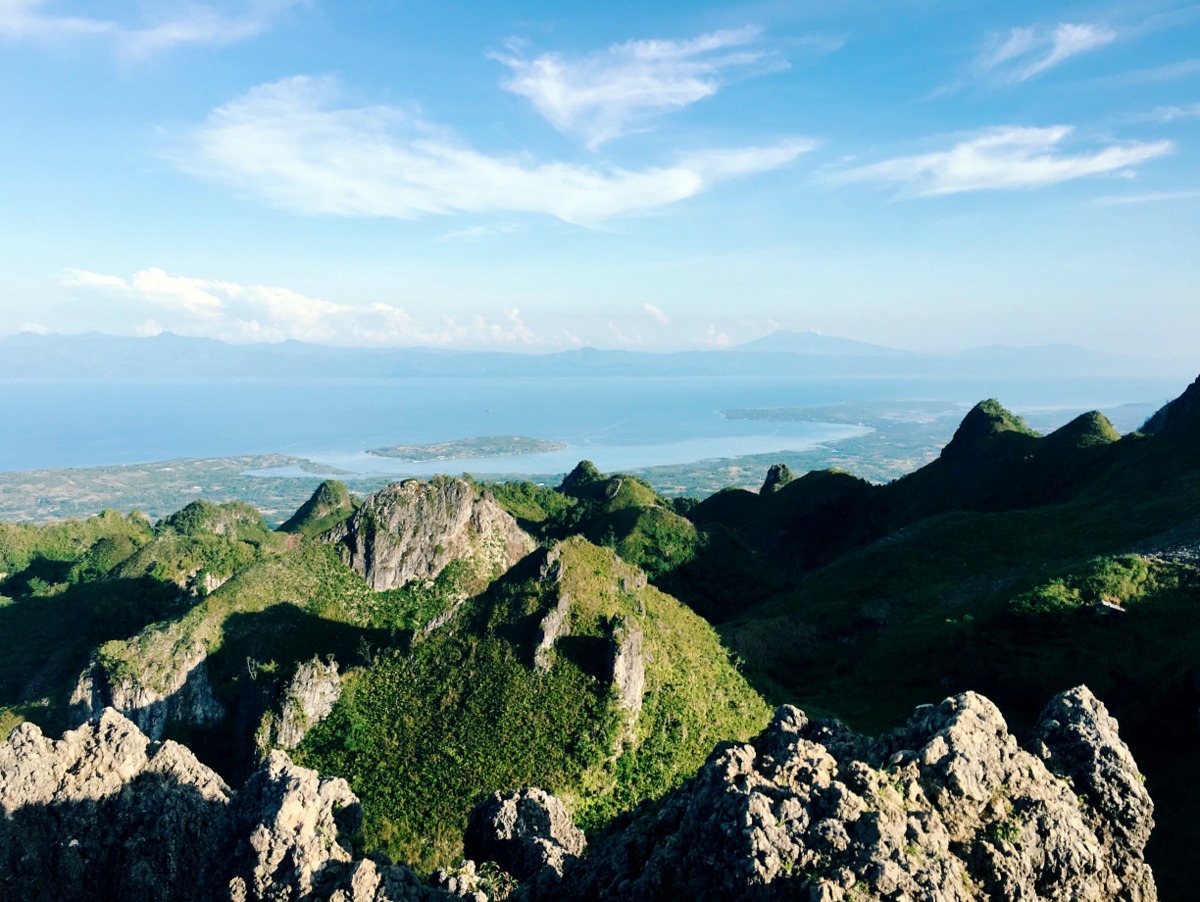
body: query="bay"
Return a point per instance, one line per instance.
(619, 422)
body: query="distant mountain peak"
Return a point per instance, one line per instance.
(817, 344)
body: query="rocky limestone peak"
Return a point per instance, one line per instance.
(413, 530)
(983, 422)
(947, 807)
(1178, 416)
(778, 476)
(104, 813)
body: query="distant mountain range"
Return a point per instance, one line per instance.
(169, 357)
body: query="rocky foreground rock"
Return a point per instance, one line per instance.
(106, 814)
(947, 807)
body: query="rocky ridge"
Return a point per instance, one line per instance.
(412, 530)
(181, 693)
(105, 813)
(948, 807)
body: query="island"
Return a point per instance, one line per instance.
(482, 446)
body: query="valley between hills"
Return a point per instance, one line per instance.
(976, 680)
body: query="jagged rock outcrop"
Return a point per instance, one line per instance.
(628, 664)
(182, 694)
(553, 626)
(528, 833)
(948, 807)
(307, 700)
(105, 813)
(412, 530)
(290, 818)
(778, 476)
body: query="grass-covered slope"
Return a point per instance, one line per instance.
(329, 505)
(710, 569)
(1012, 586)
(493, 700)
(60, 597)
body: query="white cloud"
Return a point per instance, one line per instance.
(239, 313)
(291, 143)
(613, 91)
(1006, 157)
(1172, 113)
(165, 24)
(1029, 51)
(1147, 198)
(656, 314)
(714, 338)
(479, 232)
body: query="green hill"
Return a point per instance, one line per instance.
(522, 687)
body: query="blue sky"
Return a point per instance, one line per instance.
(537, 176)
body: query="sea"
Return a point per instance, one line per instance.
(617, 422)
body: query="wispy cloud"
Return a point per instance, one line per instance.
(164, 25)
(1176, 71)
(1006, 157)
(1149, 197)
(1173, 113)
(656, 314)
(292, 143)
(1026, 52)
(480, 231)
(614, 91)
(230, 311)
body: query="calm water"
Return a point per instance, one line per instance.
(617, 422)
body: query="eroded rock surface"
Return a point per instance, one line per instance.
(527, 833)
(307, 700)
(412, 530)
(105, 813)
(948, 807)
(180, 692)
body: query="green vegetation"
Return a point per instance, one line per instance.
(1112, 580)
(422, 735)
(329, 505)
(62, 593)
(483, 446)
(1014, 564)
